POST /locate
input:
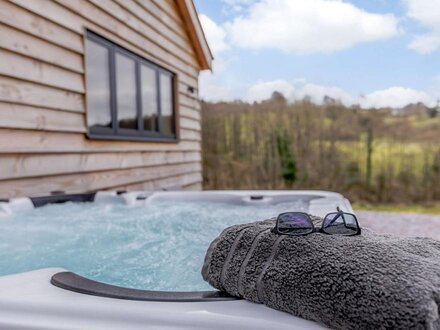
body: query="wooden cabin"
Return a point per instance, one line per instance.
(100, 95)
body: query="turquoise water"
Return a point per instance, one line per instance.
(159, 246)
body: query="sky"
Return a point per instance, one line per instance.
(372, 53)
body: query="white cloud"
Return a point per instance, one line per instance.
(297, 90)
(394, 97)
(317, 93)
(263, 90)
(425, 43)
(212, 86)
(215, 34)
(426, 13)
(213, 89)
(311, 26)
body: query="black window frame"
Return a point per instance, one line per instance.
(115, 132)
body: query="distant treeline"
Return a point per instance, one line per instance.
(368, 155)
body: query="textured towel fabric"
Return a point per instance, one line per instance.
(360, 282)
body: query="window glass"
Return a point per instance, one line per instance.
(166, 103)
(98, 86)
(149, 98)
(126, 92)
(128, 96)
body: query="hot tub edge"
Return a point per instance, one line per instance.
(74, 282)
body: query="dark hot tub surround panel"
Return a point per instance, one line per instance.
(73, 282)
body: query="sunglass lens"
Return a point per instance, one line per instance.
(340, 224)
(294, 224)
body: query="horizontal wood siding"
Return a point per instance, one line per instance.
(43, 141)
(34, 141)
(99, 180)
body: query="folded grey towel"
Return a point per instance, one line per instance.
(360, 282)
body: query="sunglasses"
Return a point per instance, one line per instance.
(300, 223)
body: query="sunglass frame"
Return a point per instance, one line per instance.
(313, 228)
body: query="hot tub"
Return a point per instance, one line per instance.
(132, 260)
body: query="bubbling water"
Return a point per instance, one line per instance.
(159, 246)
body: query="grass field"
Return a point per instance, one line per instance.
(386, 153)
(433, 208)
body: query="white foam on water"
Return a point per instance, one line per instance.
(160, 246)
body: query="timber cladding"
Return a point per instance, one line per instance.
(43, 106)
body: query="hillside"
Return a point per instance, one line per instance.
(381, 155)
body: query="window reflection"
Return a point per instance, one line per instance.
(166, 103)
(126, 92)
(128, 96)
(98, 86)
(149, 98)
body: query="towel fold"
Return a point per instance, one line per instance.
(369, 281)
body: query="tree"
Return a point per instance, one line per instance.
(287, 159)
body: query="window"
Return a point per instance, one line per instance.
(128, 97)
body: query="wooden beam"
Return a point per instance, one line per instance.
(187, 181)
(38, 118)
(195, 31)
(22, 67)
(26, 21)
(27, 166)
(21, 92)
(77, 183)
(14, 141)
(29, 45)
